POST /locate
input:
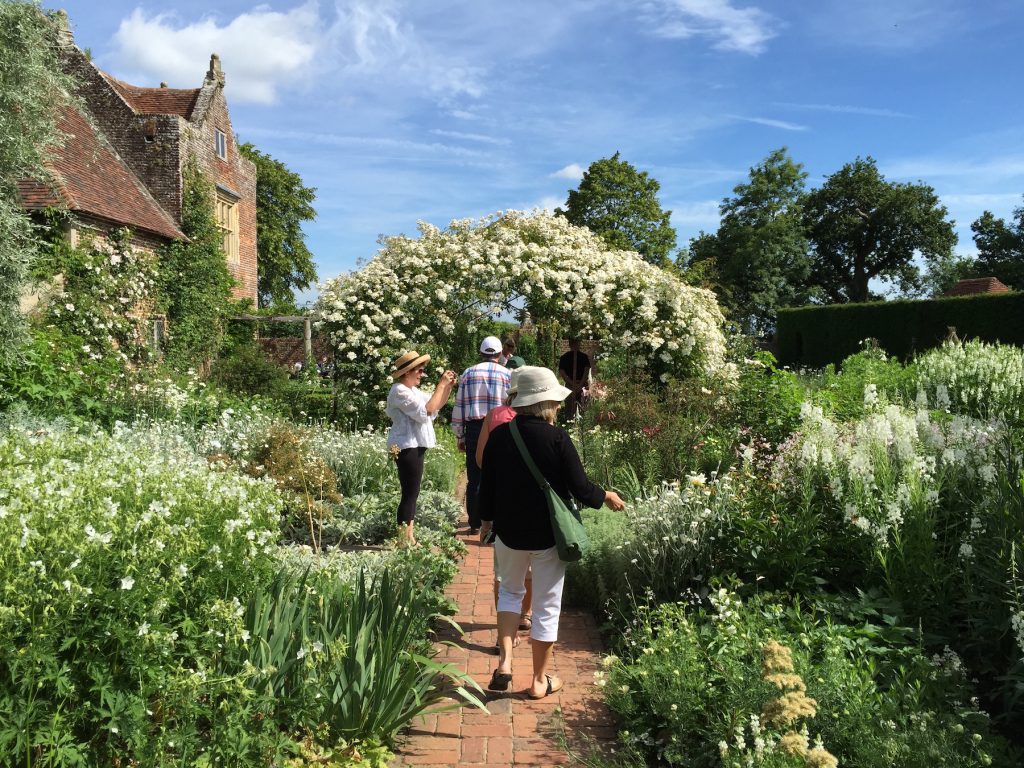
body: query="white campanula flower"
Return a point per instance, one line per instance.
(127, 582)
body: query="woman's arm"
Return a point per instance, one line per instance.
(485, 432)
(441, 393)
(580, 485)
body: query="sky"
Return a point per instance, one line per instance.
(398, 112)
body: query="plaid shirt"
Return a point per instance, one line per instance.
(481, 387)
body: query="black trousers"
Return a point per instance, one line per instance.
(471, 436)
(410, 475)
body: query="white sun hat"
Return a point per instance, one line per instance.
(537, 385)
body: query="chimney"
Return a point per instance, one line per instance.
(62, 25)
(215, 74)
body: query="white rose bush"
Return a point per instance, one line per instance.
(429, 291)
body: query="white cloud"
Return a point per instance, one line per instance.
(549, 203)
(381, 143)
(371, 37)
(462, 114)
(771, 123)
(846, 109)
(701, 214)
(260, 50)
(746, 30)
(480, 137)
(573, 172)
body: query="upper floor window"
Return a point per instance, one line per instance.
(227, 220)
(221, 142)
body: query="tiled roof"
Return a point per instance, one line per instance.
(90, 178)
(156, 101)
(976, 285)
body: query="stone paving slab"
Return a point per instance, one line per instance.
(516, 730)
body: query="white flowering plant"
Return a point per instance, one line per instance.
(428, 292)
(974, 378)
(124, 570)
(107, 287)
(658, 547)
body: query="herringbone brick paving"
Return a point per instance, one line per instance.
(517, 730)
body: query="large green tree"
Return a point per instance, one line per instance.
(1000, 248)
(862, 227)
(620, 204)
(32, 87)
(760, 252)
(283, 202)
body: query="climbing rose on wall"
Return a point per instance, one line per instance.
(423, 291)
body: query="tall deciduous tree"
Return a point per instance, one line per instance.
(283, 202)
(1000, 248)
(760, 251)
(32, 87)
(620, 204)
(862, 227)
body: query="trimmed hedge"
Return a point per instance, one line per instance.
(815, 336)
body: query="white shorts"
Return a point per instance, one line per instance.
(511, 566)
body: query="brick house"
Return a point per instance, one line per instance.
(124, 154)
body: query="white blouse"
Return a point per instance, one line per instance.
(411, 425)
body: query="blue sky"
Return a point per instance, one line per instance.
(400, 111)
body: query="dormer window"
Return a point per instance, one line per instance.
(221, 142)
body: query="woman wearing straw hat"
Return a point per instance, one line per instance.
(412, 412)
(512, 503)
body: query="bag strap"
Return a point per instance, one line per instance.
(518, 438)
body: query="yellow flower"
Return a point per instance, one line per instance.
(789, 708)
(819, 757)
(777, 658)
(793, 743)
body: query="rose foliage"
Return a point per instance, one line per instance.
(429, 292)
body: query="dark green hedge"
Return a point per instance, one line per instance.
(816, 336)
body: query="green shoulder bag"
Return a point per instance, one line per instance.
(570, 537)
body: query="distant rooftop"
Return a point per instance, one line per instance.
(976, 285)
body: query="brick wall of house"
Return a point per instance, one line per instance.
(157, 163)
(236, 175)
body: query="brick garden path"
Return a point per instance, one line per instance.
(518, 730)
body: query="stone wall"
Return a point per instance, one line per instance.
(236, 176)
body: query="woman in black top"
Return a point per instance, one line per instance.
(513, 505)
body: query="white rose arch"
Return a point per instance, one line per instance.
(425, 292)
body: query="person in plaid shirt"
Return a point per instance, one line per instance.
(481, 388)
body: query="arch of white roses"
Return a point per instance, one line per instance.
(420, 292)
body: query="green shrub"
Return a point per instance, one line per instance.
(864, 379)
(54, 376)
(248, 371)
(760, 683)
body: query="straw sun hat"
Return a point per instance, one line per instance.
(537, 385)
(410, 361)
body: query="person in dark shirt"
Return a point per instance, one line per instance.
(513, 505)
(574, 368)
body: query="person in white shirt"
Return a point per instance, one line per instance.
(412, 412)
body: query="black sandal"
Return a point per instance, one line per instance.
(500, 681)
(526, 622)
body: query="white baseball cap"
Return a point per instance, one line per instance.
(490, 345)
